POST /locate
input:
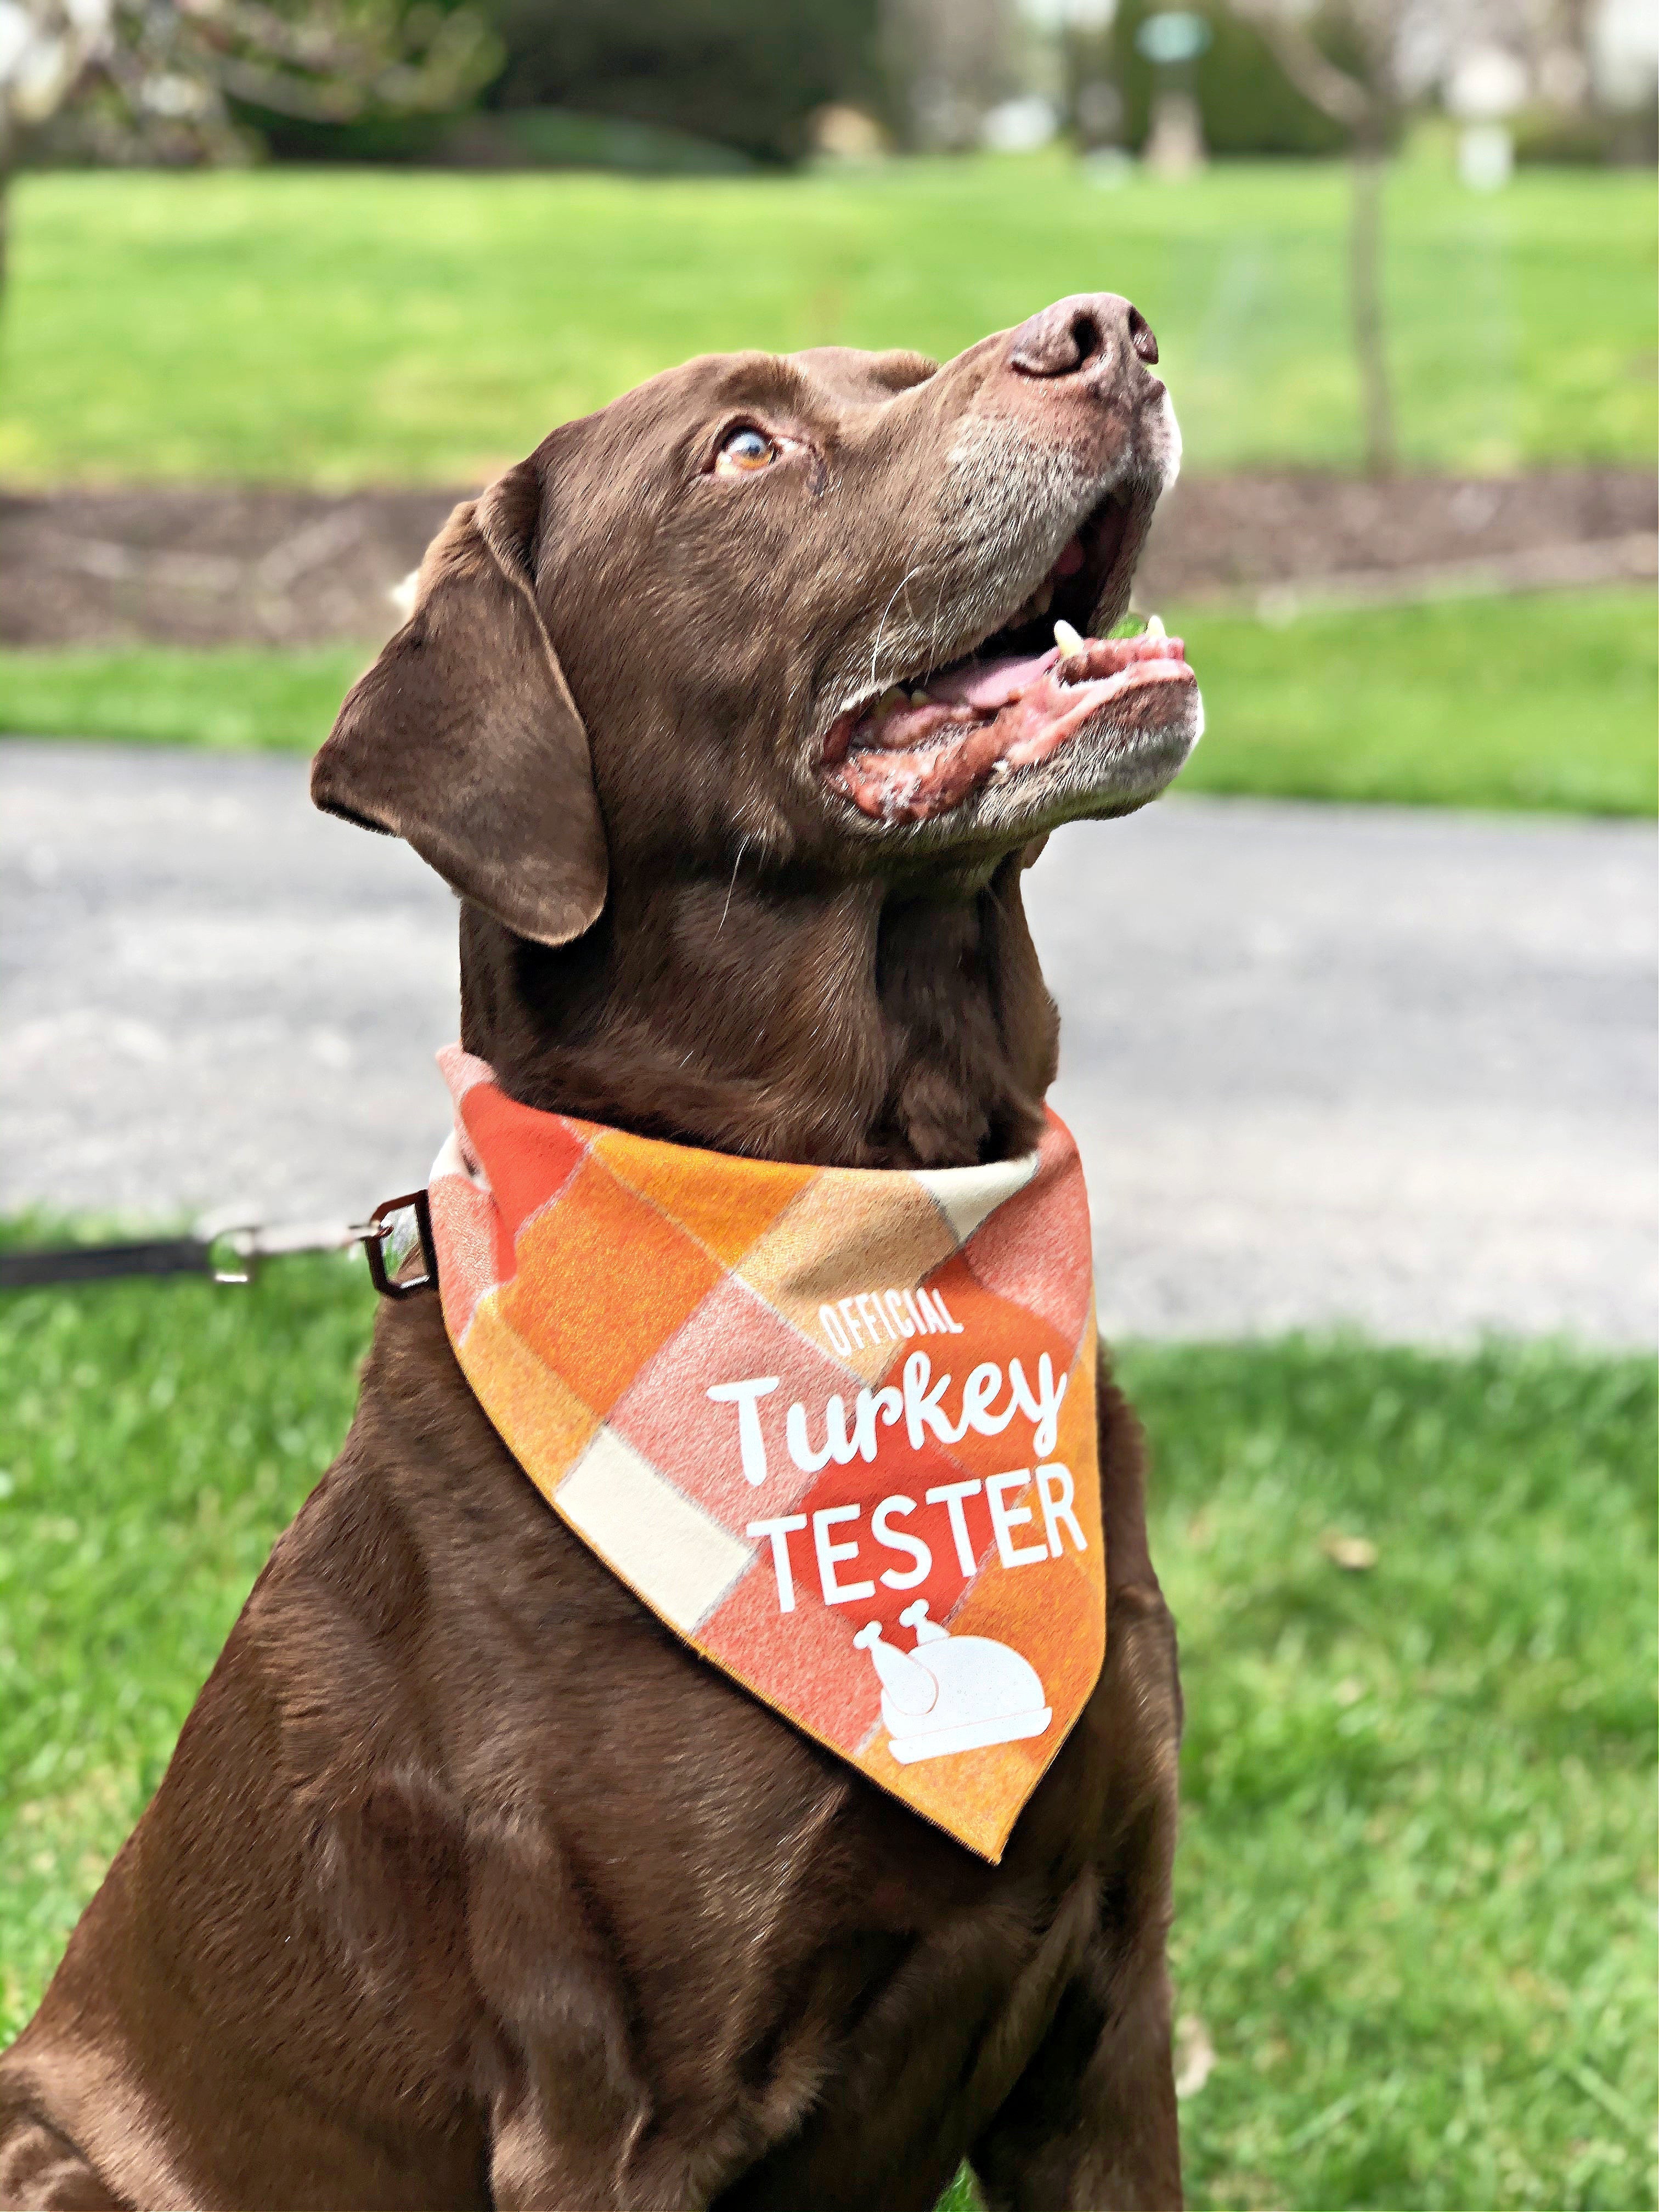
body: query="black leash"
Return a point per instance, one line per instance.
(232, 1255)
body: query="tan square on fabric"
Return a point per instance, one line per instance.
(803, 1262)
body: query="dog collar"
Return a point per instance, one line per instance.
(835, 1426)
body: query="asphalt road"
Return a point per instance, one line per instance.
(1327, 1064)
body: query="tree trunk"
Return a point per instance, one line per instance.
(1366, 303)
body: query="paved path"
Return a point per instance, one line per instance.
(1325, 1064)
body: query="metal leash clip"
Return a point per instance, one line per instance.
(232, 1250)
(378, 1232)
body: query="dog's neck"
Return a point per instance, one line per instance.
(852, 1025)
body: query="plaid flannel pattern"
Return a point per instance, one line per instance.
(599, 1287)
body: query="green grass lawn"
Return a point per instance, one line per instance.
(1550, 700)
(1546, 701)
(1415, 1883)
(239, 698)
(344, 327)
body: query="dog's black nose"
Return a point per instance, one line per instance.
(1089, 330)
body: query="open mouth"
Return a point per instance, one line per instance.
(1016, 699)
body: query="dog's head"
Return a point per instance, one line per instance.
(794, 613)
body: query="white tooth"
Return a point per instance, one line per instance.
(1042, 598)
(1068, 640)
(919, 699)
(1155, 626)
(891, 697)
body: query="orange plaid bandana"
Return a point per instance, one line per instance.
(835, 1426)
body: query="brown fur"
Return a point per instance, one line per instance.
(403, 1927)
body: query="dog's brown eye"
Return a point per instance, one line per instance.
(745, 450)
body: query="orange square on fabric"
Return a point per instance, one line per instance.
(603, 1279)
(975, 1796)
(726, 1212)
(543, 1422)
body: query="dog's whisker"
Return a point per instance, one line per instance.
(741, 845)
(875, 650)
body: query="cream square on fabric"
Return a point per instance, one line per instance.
(680, 1561)
(965, 1195)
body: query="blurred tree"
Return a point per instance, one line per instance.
(1247, 104)
(749, 74)
(1364, 92)
(128, 80)
(949, 62)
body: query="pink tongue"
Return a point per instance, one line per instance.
(989, 684)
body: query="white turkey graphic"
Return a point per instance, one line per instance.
(954, 1692)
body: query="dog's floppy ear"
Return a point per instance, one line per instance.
(464, 737)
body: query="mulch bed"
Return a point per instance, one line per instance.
(224, 564)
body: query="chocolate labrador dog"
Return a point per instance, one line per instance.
(733, 716)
